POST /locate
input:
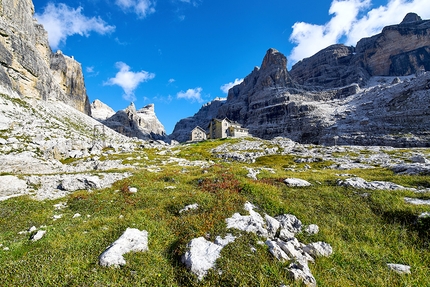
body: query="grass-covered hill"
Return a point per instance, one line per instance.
(367, 228)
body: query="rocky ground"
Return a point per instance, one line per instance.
(51, 151)
(55, 149)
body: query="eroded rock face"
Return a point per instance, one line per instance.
(399, 50)
(25, 58)
(68, 73)
(330, 68)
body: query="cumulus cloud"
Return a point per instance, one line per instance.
(193, 95)
(128, 80)
(141, 7)
(62, 21)
(228, 86)
(351, 20)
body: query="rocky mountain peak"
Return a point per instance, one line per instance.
(273, 73)
(411, 17)
(274, 59)
(100, 110)
(131, 107)
(147, 109)
(142, 123)
(68, 73)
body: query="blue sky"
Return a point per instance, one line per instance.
(180, 54)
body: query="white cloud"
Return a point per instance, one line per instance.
(62, 21)
(141, 7)
(128, 80)
(171, 81)
(351, 21)
(195, 3)
(228, 86)
(194, 95)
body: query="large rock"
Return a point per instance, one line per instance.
(202, 254)
(132, 240)
(359, 183)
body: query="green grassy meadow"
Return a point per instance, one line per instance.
(365, 231)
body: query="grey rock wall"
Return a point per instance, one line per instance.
(25, 60)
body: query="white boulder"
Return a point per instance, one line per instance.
(417, 201)
(272, 225)
(300, 271)
(277, 251)
(202, 254)
(290, 226)
(131, 240)
(253, 222)
(296, 182)
(399, 268)
(312, 229)
(359, 183)
(38, 235)
(318, 249)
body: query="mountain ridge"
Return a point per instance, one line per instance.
(300, 104)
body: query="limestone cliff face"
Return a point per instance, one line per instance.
(330, 68)
(142, 123)
(25, 58)
(383, 54)
(399, 50)
(68, 73)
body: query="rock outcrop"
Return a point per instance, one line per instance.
(101, 111)
(399, 50)
(330, 68)
(68, 73)
(341, 95)
(26, 60)
(142, 124)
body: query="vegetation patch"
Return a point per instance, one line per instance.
(366, 228)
